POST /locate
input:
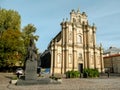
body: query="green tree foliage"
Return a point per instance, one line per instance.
(28, 32)
(90, 73)
(9, 19)
(12, 48)
(11, 42)
(72, 74)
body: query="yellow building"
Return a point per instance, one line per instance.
(74, 47)
(112, 59)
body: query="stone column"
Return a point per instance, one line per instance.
(85, 59)
(88, 62)
(101, 59)
(87, 45)
(66, 60)
(94, 58)
(51, 70)
(84, 45)
(63, 46)
(94, 48)
(73, 28)
(55, 55)
(94, 44)
(94, 34)
(62, 63)
(66, 47)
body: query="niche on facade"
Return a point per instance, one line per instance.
(79, 39)
(74, 20)
(80, 57)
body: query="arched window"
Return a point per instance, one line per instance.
(80, 57)
(80, 19)
(74, 20)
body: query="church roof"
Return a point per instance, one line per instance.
(114, 55)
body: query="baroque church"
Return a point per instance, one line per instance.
(74, 47)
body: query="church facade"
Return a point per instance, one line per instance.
(74, 47)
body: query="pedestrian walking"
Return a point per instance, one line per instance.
(108, 74)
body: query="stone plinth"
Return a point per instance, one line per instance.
(31, 70)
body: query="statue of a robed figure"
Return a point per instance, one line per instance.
(31, 51)
(31, 62)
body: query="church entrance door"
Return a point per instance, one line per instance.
(80, 67)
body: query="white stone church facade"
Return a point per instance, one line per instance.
(74, 47)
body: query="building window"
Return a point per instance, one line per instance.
(74, 20)
(80, 56)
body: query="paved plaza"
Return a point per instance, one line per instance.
(102, 83)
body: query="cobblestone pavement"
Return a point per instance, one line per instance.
(102, 83)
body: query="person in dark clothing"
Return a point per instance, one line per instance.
(108, 74)
(18, 75)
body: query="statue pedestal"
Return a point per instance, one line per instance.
(31, 70)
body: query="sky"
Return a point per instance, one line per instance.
(46, 15)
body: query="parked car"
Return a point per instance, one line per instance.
(19, 71)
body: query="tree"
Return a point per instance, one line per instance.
(9, 19)
(28, 32)
(12, 48)
(11, 43)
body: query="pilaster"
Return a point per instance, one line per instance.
(94, 58)
(52, 62)
(84, 44)
(101, 59)
(74, 42)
